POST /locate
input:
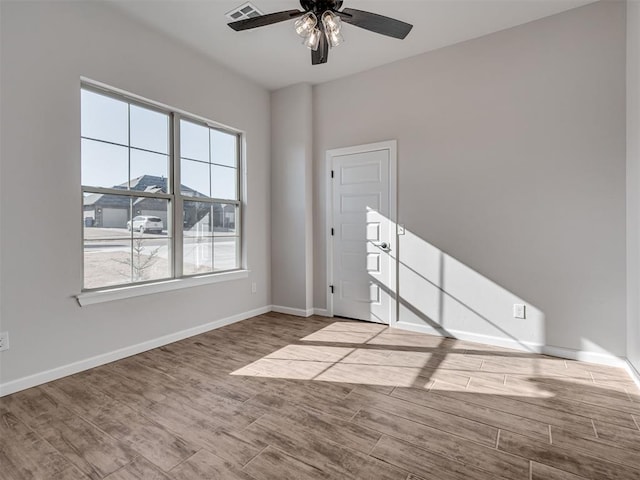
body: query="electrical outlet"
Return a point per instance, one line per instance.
(4, 341)
(519, 310)
(254, 287)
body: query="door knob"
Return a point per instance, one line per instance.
(383, 245)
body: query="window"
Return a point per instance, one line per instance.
(152, 211)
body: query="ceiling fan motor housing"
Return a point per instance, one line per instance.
(320, 6)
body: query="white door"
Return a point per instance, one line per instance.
(362, 263)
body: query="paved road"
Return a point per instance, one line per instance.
(114, 239)
(105, 243)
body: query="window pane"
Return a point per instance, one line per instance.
(104, 164)
(150, 217)
(224, 219)
(224, 183)
(226, 253)
(194, 141)
(150, 254)
(105, 217)
(120, 250)
(197, 255)
(119, 262)
(107, 262)
(197, 219)
(224, 148)
(104, 118)
(197, 247)
(149, 258)
(149, 129)
(151, 165)
(194, 178)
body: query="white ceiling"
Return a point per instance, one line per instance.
(274, 57)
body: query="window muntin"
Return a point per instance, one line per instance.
(128, 178)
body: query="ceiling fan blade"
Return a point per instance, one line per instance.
(264, 20)
(321, 55)
(376, 23)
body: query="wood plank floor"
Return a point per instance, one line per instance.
(280, 397)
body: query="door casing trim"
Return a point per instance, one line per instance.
(392, 147)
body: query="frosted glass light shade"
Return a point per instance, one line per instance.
(313, 39)
(331, 22)
(304, 25)
(335, 38)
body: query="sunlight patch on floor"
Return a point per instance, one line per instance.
(372, 354)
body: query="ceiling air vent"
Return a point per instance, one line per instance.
(244, 11)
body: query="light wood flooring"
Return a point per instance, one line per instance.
(279, 397)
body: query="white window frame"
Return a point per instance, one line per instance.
(177, 280)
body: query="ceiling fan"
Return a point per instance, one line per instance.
(320, 21)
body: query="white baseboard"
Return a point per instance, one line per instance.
(582, 355)
(633, 372)
(412, 327)
(298, 312)
(585, 356)
(472, 337)
(65, 370)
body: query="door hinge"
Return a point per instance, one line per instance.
(332, 232)
(332, 174)
(331, 288)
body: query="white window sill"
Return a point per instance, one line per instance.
(100, 296)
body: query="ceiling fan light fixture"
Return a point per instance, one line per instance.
(335, 38)
(331, 22)
(313, 39)
(306, 24)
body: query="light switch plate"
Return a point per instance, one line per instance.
(519, 310)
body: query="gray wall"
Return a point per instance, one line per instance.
(45, 48)
(511, 179)
(511, 161)
(633, 183)
(291, 199)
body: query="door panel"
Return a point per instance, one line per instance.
(362, 268)
(361, 173)
(358, 203)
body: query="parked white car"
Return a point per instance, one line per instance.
(145, 223)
